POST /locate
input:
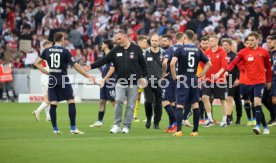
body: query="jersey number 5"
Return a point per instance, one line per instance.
(55, 60)
(191, 59)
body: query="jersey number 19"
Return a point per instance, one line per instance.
(55, 60)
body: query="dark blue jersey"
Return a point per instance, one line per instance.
(169, 54)
(274, 66)
(105, 68)
(57, 58)
(188, 58)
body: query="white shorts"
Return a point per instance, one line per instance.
(44, 83)
(44, 79)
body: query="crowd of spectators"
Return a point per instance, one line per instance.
(88, 22)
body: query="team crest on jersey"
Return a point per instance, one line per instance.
(131, 56)
(228, 59)
(217, 56)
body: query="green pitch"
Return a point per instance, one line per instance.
(23, 140)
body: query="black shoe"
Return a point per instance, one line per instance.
(156, 126)
(238, 121)
(270, 122)
(148, 124)
(228, 120)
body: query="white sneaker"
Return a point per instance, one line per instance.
(115, 129)
(187, 123)
(256, 130)
(223, 124)
(96, 124)
(36, 115)
(57, 132)
(266, 131)
(48, 119)
(208, 123)
(125, 130)
(274, 123)
(77, 132)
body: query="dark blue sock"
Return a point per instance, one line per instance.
(254, 112)
(274, 110)
(171, 114)
(72, 115)
(179, 117)
(196, 119)
(263, 120)
(174, 111)
(53, 115)
(201, 109)
(100, 116)
(247, 110)
(187, 110)
(258, 114)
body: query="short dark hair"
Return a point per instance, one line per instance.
(109, 43)
(142, 37)
(254, 34)
(179, 35)
(227, 40)
(205, 38)
(189, 34)
(169, 37)
(273, 37)
(58, 36)
(246, 39)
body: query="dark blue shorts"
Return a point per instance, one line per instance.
(168, 93)
(186, 95)
(107, 93)
(273, 88)
(60, 93)
(244, 92)
(256, 90)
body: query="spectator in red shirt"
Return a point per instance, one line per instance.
(17, 63)
(257, 67)
(214, 82)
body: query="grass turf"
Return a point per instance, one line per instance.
(22, 139)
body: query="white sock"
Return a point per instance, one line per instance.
(42, 106)
(224, 118)
(47, 112)
(209, 115)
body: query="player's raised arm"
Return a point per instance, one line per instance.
(38, 64)
(106, 59)
(234, 63)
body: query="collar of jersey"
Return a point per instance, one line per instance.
(189, 44)
(58, 45)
